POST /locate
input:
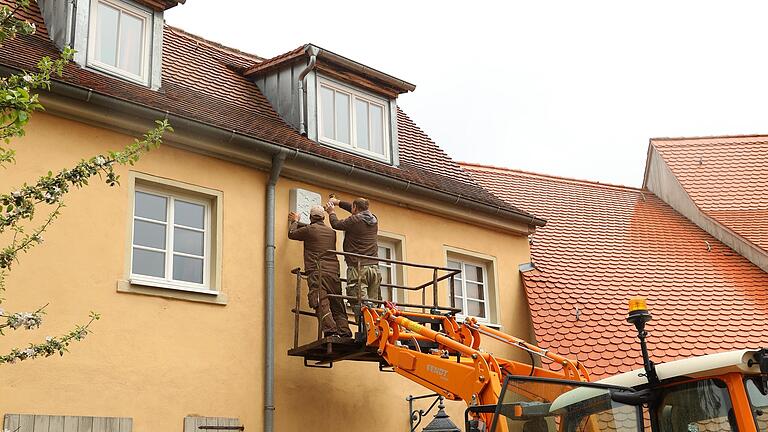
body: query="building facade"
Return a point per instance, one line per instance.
(178, 258)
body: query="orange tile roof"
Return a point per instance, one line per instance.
(203, 81)
(726, 177)
(604, 244)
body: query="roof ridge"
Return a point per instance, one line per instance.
(711, 137)
(571, 180)
(215, 45)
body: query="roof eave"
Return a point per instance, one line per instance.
(162, 5)
(395, 83)
(139, 111)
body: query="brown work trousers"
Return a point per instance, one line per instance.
(331, 312)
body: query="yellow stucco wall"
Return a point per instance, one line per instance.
(157, 359)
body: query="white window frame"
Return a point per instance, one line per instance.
(486, 291)
(168, 281)
(393, 270)
(353, 95)
(143, 14)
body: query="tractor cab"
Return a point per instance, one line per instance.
(723, 392)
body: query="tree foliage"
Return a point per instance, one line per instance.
(18, 101)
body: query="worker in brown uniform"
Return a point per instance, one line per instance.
(361, 232)
(322, 271)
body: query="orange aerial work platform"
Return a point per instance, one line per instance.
(323, 352)
(426, 344)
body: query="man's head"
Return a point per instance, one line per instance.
(316, 213)
(359, 204)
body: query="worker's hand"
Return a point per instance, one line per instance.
(334, 201)
(293, 217)
(329, 206)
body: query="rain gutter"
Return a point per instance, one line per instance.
(189, 131)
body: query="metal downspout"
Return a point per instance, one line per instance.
(269, 316)
(69, 33)
(312, 62)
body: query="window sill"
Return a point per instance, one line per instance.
(348, 148)
(178, 293)
(460, 318)
(117, 73)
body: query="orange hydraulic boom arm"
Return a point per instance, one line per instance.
(458, 369)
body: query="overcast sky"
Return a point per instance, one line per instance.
(570, 88)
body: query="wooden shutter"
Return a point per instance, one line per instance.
(193, 423)
(47, 423)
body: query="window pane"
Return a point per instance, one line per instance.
(457, 291)
(475, 291)
(342, 117)
(454, 265)
(759, 402)
(386, 275)
(188, 241)
(387, 294)
(361, 119)
(696, 406)
(475, 309)
(326, 111)
(148, 263)
(377, 129)
(473, 273)
(150, 206)
(187, 269)
(385, 252)
(188, 214)
(148, 234)
(131, 43)
(106, 34)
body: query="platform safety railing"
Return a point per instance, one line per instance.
(435, 306)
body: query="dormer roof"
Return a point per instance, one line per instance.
(336, 66)
(161, 5)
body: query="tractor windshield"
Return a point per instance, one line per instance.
(757, 390)
(541, 405)
(696, 406)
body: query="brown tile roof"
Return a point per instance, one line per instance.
(202, 81)
(726, 177)
(277, 61)
(161, 5)
(30, 14)
(604, 244)
(338, 67)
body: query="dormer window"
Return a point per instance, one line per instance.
(334, 101)
(119, 40)
(353, 120)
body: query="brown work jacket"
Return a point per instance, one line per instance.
(317, 238)
(361, 232)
